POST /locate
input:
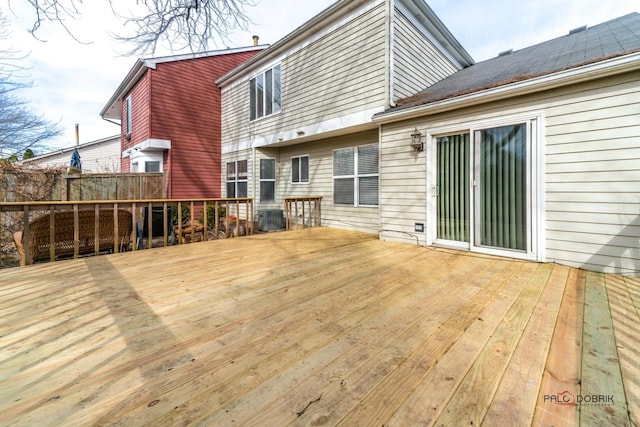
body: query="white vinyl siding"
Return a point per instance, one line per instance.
(339, 74)
(321, 181)
(418, 64)
(593, 178)
(591, 183)
(101, 156)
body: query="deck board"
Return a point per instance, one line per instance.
(601, 385)
(348, 329)
(511, 405)
(563, 369)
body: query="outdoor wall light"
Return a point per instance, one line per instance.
(416, 142)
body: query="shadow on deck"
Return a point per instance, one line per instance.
(316, 326)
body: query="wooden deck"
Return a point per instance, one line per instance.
(316, 327)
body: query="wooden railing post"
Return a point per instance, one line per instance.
(205, 221)
(134, 226)
(26, 236)
(85, 220)
(165, 224)
(76, 232)
(52, 233)
(96, 229)
(116, 231)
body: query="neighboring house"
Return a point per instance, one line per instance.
(169, 111)
(297, 118)
(532, 154)
(100, 156)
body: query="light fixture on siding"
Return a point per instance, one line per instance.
(416, 142)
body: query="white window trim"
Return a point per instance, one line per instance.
(275, 173)
(129, 118)
(236, 180)
(355, 176)
(535, 121)
(263, 74)
(308, 181)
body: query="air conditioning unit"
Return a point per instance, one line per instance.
(270, 219)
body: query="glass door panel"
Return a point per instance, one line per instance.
(452, 188)
(501, 176)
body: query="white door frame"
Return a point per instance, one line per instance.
(535, 181)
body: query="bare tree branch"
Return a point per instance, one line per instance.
(180, 24)
(20, 128)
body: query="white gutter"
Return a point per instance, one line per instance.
(581, 74)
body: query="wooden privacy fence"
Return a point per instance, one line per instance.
(122, 186)
(303, 211)
(35, 185)
(232, 216)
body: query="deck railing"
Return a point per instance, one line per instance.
(303, 212)
(205, 215)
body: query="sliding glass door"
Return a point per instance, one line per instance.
(481, 188)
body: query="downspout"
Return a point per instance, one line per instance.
(389, 101)
(390, 54)
(253, 178)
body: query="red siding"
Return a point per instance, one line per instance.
(140, 117)
(186, 109)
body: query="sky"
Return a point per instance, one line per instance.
(72, 79)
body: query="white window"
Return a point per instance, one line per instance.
(134, 167)
(129, 116)
(267, 180)
(237, 179)
(355, 176)
(152, 166)
(265, 94)
(300, 169)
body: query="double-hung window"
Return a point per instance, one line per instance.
(237, 179)
(355, 176)
(300, 169)
(265, 93)
(267, 180)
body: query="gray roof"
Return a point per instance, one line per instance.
(580, 47)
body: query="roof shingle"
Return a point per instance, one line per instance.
(610, 39)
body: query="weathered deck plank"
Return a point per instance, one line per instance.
(562, 373)
(601, 388)
(249, 331)
(625, 315)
